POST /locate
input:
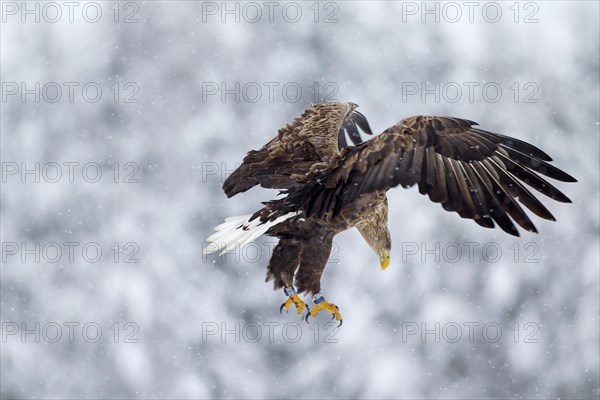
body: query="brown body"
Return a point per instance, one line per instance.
(305, 243)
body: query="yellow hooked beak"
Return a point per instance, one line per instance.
(384, 259)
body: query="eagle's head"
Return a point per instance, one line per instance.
(380, 241)
(382, 246)
(376, 233)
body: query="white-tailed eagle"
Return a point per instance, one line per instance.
(330, 187)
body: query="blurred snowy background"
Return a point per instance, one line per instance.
(145, 94)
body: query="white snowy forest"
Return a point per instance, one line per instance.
(120, 121)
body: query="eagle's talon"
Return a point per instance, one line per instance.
(326, 306)
(293, 299)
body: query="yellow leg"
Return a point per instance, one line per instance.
(322, 305)
(293, 298)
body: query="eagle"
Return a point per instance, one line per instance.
(329, 186)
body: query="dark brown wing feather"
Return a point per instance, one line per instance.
(308, 144)
(476, 173)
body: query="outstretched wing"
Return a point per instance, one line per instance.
(479, 174)
(310, 143)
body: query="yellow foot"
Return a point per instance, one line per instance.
(293, 299)
(320, 305)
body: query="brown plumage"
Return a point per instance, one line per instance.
(331, 187)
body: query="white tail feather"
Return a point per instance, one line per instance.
(238, 231)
